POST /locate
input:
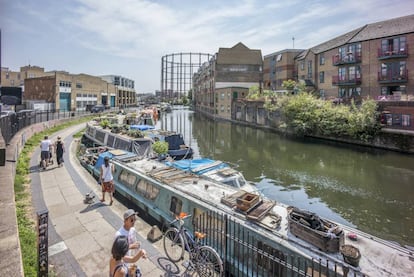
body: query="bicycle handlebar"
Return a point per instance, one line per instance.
(180, 217)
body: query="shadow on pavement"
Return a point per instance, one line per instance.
(93, 206)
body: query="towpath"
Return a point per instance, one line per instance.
(81, 235)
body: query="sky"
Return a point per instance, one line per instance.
(129, 37)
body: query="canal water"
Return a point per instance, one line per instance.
(370, 189)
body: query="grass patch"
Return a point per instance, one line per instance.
(24, 209)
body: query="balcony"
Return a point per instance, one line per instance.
(346, 80)
(350, 58)
(390, 53)
(393, 77)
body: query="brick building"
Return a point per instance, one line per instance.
(225, 77)
(70, 92)
(279, 67)
(373, 61)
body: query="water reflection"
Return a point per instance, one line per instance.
(366, 188)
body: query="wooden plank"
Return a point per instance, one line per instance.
(261, 210)
(230, 200)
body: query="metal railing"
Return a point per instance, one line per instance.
(248, 253)
(12, 123)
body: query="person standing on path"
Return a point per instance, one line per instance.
(107, 179)
(45, 150)
(59, 150)
(129, 231)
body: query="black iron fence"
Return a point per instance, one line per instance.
(246, 252)
(10, 124)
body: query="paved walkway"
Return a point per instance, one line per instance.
(81, 235)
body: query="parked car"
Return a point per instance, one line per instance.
(7, 113)
(97, 109)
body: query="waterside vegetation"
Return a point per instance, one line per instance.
(304, 114)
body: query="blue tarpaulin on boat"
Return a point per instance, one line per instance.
(141, 127)
(101, 158)
(198, 166)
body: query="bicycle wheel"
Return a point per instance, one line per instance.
(173, 244)
(208, 262)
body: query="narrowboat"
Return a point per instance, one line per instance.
(140, 143)
(253, 234)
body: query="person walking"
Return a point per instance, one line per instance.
(117, 265)
(107, 179)
(45, 150)
(59, 150)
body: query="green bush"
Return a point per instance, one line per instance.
(160, 147)
(304, 114)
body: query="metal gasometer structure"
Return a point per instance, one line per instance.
(177, 72)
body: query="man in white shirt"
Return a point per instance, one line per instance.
(45, 148)
(129, 231)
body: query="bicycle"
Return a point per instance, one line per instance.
(202, 258)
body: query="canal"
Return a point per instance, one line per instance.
(370, 189)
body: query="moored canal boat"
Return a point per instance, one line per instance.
(161, 192)
(141, 145)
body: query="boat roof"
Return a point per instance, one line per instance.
(197, 166)
(379, 257)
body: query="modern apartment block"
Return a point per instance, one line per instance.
(70, 92)
(373, 61)
(278, 67)
(225, 77)
(126, 90)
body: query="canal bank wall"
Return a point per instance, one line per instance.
(254, 115)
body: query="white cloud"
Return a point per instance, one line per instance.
(129, 37)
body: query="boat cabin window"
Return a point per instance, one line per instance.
(176, 205)
(197, 213)
(127, 178)
(147, 190)
(236, 182)
(241, 181)
(268, 260)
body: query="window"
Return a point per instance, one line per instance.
(354, 92)
(78, 85)
(176, 205)
(322, 77)
(266, 256)
(127, 178)
(302, 65)
(406, 120)
(65, 84)
(18, 76)
(147, 190)
(342, 73)
(309, 69)
(279, 57)
(393, 71)
(394, 46)
(322, 59)
(7, 75)
(322, 93)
